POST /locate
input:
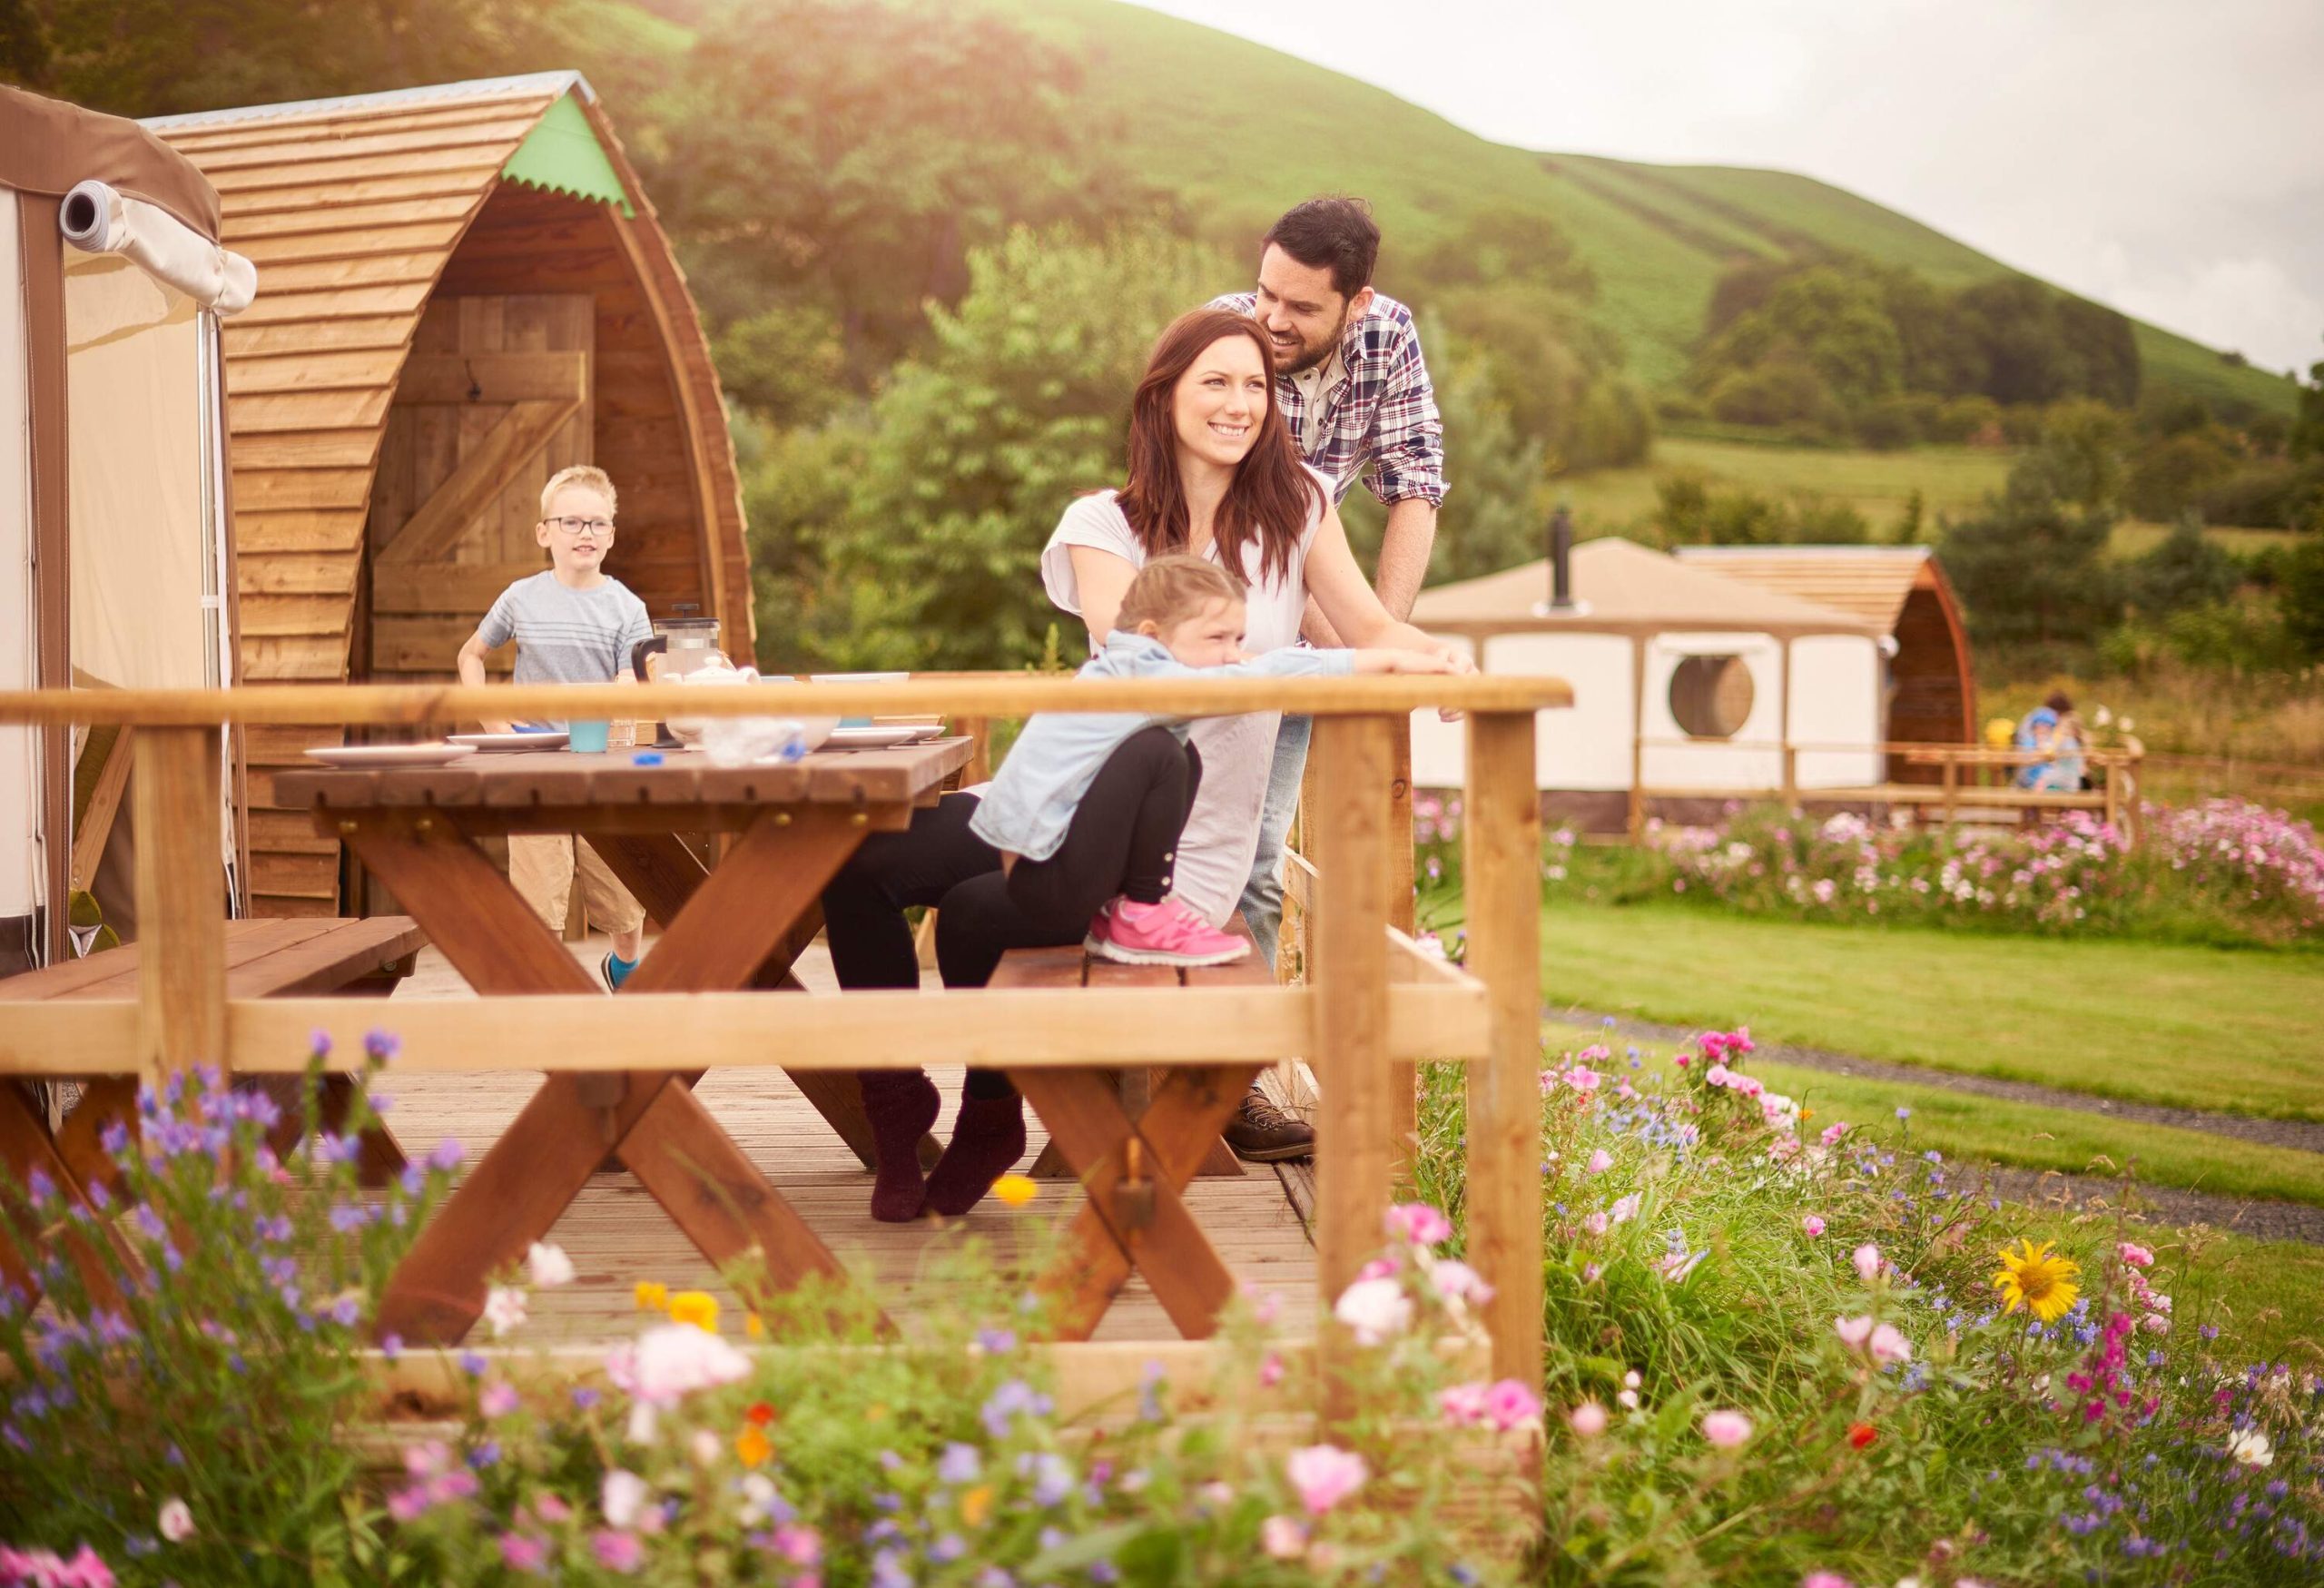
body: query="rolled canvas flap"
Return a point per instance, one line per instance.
(97, 219)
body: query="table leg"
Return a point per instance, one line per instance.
(24, 1146)
(1085, 1117)
(514, 1195)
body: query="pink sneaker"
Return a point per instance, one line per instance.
(1168, 933)
(1101, 928)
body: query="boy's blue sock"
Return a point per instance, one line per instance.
(617, 969)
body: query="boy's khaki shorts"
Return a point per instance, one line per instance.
(542, 867)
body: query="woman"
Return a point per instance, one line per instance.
(1212, 472)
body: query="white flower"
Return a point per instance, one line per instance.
(706, 1447)
(176, 1521)
(1283, 1537)
(503, 1309)
(643, 1421)
(1374, 1309)
(624, 1495)
(673, 1360)
(549, 1265)
(758, 1498)
(2252, 1448)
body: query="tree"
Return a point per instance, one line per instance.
(2029, 565)
(848, 157)
(2184, 570)
(1825, 319)
(2306, 438)
(2300, 590)
(972, 450)
(1493, 515)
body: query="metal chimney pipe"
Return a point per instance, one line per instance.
(1561, 560)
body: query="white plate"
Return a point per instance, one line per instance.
(879, 738)
(436, 754)
(490, 743)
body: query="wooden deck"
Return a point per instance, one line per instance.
(616, 1235)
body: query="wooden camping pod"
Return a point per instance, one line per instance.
(1933, 686)
(461, 289)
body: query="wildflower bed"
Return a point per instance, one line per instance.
(2223, 872)
(1783, 1349)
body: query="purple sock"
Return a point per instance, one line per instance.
(901, 1106)
(988, 1139)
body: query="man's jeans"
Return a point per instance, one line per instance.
(1262, 904)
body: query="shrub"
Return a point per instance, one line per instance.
(197, 1378)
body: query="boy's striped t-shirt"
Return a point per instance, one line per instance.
(566, 636)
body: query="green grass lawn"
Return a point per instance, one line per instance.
(2231, 1030)
(2026, 1135)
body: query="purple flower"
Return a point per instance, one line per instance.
(997, 1342)
(382, 1045)
(347, 1218)
(337, 1147)
(115, 1139)
(318, 1044)
(473, 1363)
(345, 1311)
(392, 1345)
(958, 1465)
(584, 1396)
(446, 1156)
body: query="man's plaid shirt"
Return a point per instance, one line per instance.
(1380, 415)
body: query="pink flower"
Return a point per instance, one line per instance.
(409, 1503)
(499, 1398)
(1889, 1345)
(519, 1553)
(41, 1568)
(1283, 1537)
(1825, 1580)
(1377, 1268)
(1271, 1370)
(2137, 1256)
(1833, 1132)
(1599, 1162)
(799, 1544)
(503, 1309)
(1715, 1075)
(1464, 1404)
(549, 1508)
(1509, 1404)
(1855, 1331)
(1583, 1079)
(624, 1494)
(1456, 1281)
(1418, 1223)
(1727, 1429)
(1591, 1271)
(1324, 1475)
(1625, 1208)
(1813, 1226)
(617, 1551)
(1589, 1419)
(1596, 1224)
(176, 1521)
(1867, 1262)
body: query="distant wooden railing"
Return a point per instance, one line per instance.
(1969, 775)
(1370, 1003)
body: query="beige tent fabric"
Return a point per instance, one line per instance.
(133, 376)
(97, 219)
(19, 788)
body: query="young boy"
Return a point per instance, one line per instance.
(572, 625)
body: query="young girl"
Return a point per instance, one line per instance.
(1087, 809)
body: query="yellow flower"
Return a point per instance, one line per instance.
(2041, 1283)
(1016, 1190)
(651, 1293)
(754, 1325)
(976, 1505)
(698, 1308)
(754, 1448)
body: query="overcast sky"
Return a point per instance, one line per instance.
(2164, 156)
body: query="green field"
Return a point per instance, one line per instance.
(2224, 1030)
(1657, 237)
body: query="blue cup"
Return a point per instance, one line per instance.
(589, 738)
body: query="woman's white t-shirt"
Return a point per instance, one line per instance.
(1222, 835)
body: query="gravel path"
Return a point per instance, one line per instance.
(2301, 1135)
(2163, 1203)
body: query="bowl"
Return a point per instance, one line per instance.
(857, 722)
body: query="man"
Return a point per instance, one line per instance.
(1355, 392)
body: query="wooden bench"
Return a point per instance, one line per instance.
(264, 958)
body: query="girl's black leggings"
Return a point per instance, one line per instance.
(1124, 839)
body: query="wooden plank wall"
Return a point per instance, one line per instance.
(530, 242)
(1927, 706)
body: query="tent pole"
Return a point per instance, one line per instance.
(1783, 725)
(1637, 737)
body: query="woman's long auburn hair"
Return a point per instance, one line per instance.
(1272, 496)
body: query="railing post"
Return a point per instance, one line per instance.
(1500, 877)
(1404, 1097)
(1347, 818)
(180, 900)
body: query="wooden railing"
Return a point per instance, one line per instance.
(1968, 776)
(1370, 1002)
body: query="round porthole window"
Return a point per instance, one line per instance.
(1710, 696)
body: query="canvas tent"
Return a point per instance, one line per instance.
(1682, 678)
(113, 493)
(465, 290)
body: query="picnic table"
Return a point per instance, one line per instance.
(736, 925)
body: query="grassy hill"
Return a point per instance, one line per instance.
(1248, 130)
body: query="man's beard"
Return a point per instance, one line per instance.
(1320, 352)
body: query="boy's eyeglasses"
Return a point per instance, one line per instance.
(576, 525)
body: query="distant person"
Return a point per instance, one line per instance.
(2039, 730)
(1355, 394)
(572, 625)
